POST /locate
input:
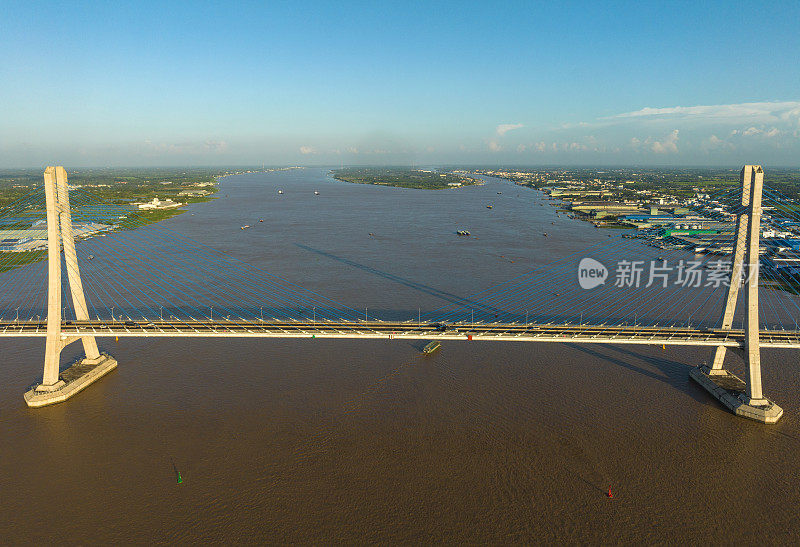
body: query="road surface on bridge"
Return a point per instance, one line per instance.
(593, 334)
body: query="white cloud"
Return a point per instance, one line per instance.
(758, 131)
(215, 146)
(669, 145)
(763, 112)
(494, 147)
(504, 128)
(713, 143)
(570, 125)
(555, 146)
(679, 131)
(307, 150)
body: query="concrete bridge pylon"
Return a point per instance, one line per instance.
(57, 385)
(743, 398)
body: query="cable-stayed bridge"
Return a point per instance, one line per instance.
(108, 274)
(499, 332)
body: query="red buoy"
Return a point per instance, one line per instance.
(610, 495)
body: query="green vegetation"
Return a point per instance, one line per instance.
(9, 261)
(123, 187)
(137, 219)
(403, 177)
(120, 187)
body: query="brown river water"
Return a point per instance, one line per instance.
(353, 441)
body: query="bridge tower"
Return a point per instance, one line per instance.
(743, 398)
(57, 386)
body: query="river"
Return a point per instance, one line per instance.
(368, 441)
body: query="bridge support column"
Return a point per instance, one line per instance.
(744, 399)
(58, 386)
(737, 264)
(52, 352)
(71, 262)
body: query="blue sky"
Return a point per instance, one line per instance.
(213, 83)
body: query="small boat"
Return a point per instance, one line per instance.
(488, 206)
(462, 232)
(261, 220)
(90, 257)
(545, 234)
(498, 193)
(280, 191)
(245, 227)
(430, 347)
(316, 193)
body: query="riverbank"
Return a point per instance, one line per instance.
(421, 179)
(102, 199)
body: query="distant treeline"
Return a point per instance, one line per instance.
(402, 177)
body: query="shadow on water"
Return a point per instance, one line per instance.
(672, 373)
(446, 296)
(467, 308)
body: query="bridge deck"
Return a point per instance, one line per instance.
(593, 334)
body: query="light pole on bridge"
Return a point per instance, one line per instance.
(161, 312)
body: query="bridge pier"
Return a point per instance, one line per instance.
(743, 398)
(58, 386)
